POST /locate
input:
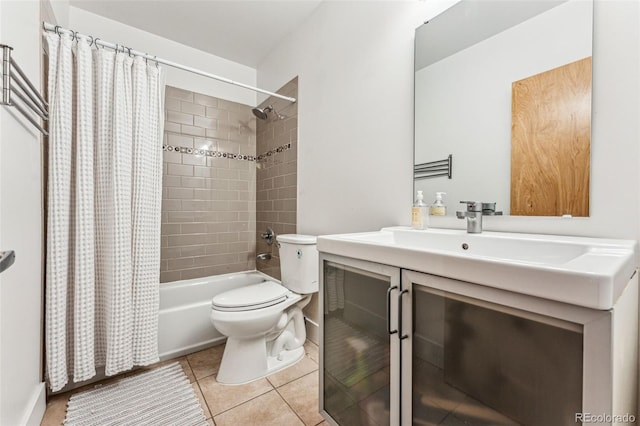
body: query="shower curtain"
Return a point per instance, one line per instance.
(103, 210)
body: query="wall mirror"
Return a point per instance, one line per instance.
(504, 87)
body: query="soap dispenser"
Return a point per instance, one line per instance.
(438, 208)
(419, 217)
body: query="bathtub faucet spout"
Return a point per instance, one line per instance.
(264, 256)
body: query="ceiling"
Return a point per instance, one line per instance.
(243, 31)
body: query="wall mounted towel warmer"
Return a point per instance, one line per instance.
(17, 86)
(433, 169)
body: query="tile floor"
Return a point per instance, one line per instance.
(288, 397)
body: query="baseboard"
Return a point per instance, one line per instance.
(37, 405)
(193, 348)
(313, 330)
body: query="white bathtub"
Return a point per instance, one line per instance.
(183, 323)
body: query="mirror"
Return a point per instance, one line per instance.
(469, 63)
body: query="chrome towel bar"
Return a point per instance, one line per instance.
(433, 169)
(17, 86)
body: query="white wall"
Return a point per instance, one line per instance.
(60, 9)
(355, 62)
(22, 393)
(113, 31)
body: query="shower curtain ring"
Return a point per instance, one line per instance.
(57, 30)
(95, 41)
(129, 49)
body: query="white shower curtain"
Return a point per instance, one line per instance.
(103, 211)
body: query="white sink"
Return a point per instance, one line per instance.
(590, 272)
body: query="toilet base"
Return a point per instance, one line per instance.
(288, 358)
(249, 361)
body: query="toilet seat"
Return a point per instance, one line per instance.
(255, 296)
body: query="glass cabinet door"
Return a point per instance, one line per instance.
(479, 363)
(358, 301)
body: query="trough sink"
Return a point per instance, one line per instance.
(588, 272)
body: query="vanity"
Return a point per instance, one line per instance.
(445, 327)
(440, 326)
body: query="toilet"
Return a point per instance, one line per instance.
(263, 322)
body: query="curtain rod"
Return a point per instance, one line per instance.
(59, 30)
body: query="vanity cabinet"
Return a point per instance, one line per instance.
(401, 347)
(357, 383)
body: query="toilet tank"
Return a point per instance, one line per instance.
(299, 262)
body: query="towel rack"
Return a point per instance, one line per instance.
(16, 86)
(433, 169)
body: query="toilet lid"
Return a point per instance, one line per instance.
(255, 296)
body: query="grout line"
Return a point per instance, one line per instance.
(195, 380)
(287, 402)
(244, 402)
(205, 401)
(288, 405)
(190, 367)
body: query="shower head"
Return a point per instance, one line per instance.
(261, 113)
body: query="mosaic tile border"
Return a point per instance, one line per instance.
(207, 153)
(222, 154)
(269, 153)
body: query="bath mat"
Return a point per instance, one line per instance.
(162, 396)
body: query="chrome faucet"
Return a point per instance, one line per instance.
(489, 209)
(263, 256)
(268, 235)
(473, 215)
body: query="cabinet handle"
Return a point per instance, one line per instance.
(400, 335)
(389, 290)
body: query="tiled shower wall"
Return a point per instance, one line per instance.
(276, 180)
(209, 193)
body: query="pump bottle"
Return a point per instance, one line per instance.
(438, 208)
(419, 215)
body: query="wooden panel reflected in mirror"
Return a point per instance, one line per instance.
(550, 142)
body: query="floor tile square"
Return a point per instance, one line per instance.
(302, 395)
(303, 367)
(266, 410)
(207, 362)
(221, 397)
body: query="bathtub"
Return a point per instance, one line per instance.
(183, 323)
